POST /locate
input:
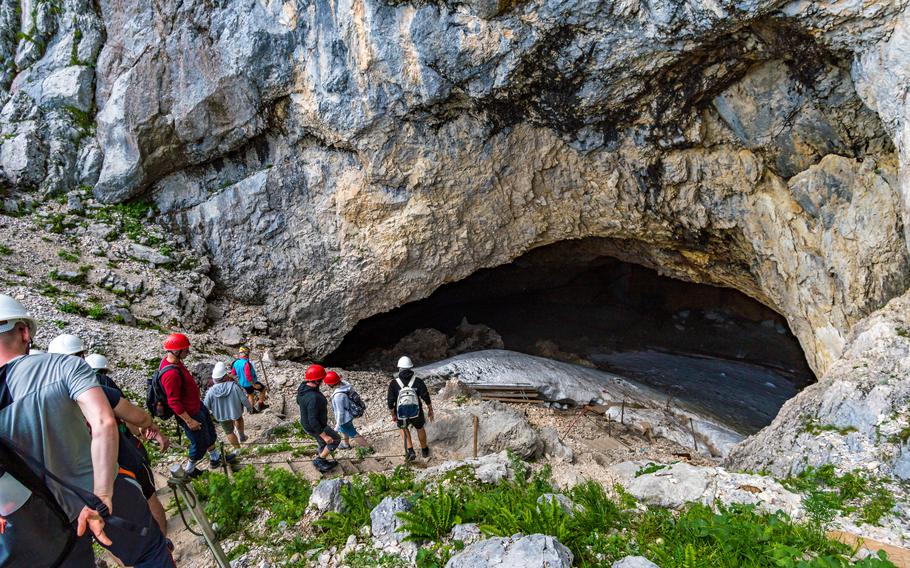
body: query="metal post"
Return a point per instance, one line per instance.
(224, 460)
(181, 491)
(622, 413)
(692, 428)
(476, 423)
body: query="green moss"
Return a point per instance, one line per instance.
(812, 426)
(69, 256)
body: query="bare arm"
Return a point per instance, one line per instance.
(132, 414)
(100, 418)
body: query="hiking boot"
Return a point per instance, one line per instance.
(231, 457)
(215, 463)
(410, 455)
(344, 446)
(263, 405)
(242, 437)
(195, 473)
(425, 452)
(324, 465)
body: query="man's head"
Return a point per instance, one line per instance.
(177, 345)
(314, 374)
(405, 363)
(244, 352)
(67, 344)
(332, 379)
(17, 329)
(219, 372)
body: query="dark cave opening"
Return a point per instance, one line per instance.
(714, 346)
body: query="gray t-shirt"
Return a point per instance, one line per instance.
(45, 421)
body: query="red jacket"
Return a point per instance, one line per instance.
(180, 388)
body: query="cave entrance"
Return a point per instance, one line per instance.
(714, 348)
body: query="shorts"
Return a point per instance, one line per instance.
(227, 426)
(253, 389)
(320, 443)
(348, 429)
(417, 422)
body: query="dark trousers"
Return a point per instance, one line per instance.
(201, 439)
(133, 549)
(149, 551)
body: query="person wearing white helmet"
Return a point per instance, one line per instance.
(133, 423)
(49, 399)
(47, 402)
(226, 401)
(67, 344)
(405, 399)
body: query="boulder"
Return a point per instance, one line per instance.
(675, 485)
(554, 447)
(501, 427)
(468, 533)
(327, 496)
(490, 468)
(231, 336)
(384, 521)
(149, 255)
(532, 551)
(634, 562)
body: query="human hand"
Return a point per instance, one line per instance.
(193, 425)
(430, 414)
(326, 438)
(91, 519)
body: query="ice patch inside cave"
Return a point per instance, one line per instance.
(712, 349)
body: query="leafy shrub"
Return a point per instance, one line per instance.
(432, 517)
(338, 527)
(828, 493)
(286, 496)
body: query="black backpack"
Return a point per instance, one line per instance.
(36, 531)
(155, 398)
(359, 406)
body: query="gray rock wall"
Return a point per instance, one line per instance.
(338, 160)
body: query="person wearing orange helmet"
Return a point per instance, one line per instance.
(314, 417)
(185, 400)
(346, 406)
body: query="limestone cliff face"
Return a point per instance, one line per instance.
(336, 160)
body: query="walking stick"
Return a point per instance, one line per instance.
(266, 357)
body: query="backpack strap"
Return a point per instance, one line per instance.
(400, 384)
(90, 499)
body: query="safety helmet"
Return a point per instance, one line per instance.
(219, 371)
(11, 312)
(176, 342)
(244, 349)
(405, 363)
(315, 373)
(332, 378)
(67, 344)
(96, 361)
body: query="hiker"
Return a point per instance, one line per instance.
(346, 405)
(405, 399)
(46, 400)
(226, 400)
(132, 423)
(67, 344)
(246, 376)
(184, 399)
(314, 417)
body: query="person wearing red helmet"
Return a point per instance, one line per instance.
(184, 398)
(346, 405)
(314, 417)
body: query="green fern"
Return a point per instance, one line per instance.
(432, 517)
